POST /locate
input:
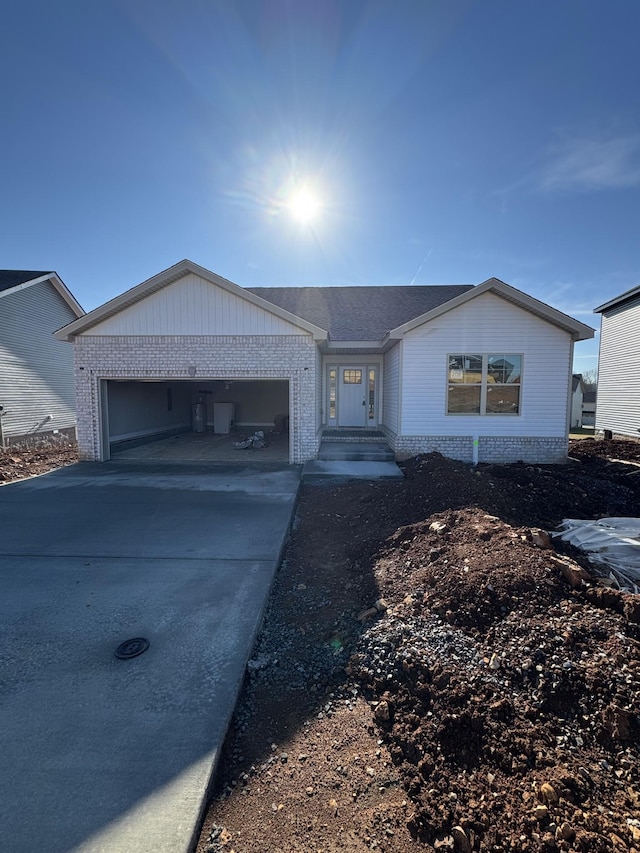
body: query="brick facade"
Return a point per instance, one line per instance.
(289, 357)
(491, 448)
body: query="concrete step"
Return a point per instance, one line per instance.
(356, 451)
(318, 470)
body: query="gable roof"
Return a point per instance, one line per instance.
(349, 315)
(359, 313)
(618, 300)
(13, 280)
(576, 382)
(579, 331)
(166, 277)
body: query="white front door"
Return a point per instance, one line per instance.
(352, 396)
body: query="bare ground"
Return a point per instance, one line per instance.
(36, 456)
(430, 674)
(489, 702)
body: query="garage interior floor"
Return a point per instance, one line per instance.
(207, 447)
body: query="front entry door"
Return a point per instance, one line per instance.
(352, 397)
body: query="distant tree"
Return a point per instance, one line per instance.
(590, 379)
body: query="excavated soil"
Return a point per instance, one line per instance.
(433, 674)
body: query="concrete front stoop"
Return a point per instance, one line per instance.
(350, 455)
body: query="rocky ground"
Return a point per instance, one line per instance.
(433, 674)
(36, 456)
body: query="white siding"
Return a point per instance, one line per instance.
(576, 408)
(486, 324)
(193, 306)
(391, 389)
(619, 371)
(36, 370)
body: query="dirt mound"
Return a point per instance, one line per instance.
(488, 702)
(508, 702)
(612, 448)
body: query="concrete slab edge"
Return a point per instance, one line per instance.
(208, 791)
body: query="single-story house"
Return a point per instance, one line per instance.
(37, 394)
(478, 372)
(577, 396)
(618, 408)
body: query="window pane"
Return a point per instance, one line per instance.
(465, 369)
(352, 377)
(372, 393)
(502, 369)
(464, 399)
(503, 399)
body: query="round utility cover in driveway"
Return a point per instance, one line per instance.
(132, 648)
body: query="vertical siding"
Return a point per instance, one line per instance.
(618, 406)
(36, 370)
(391, 389)
(193, 306)
(486, 324)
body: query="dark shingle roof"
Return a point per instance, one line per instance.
(590, 396)
(360, 313)
(12, 278)
(577, 378)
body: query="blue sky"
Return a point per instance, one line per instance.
(449, 141)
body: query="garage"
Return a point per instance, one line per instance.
(199, 420)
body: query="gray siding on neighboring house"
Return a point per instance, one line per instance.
(36, 370)
(618, 407)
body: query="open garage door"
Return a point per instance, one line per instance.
(195, 420)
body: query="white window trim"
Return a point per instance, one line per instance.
(483, 386)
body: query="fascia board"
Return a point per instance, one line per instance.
(579, 331)
(332, 344)
(168, 276)
(59, 286)
(629, 294)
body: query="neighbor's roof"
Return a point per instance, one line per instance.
(12, 278)
(618, 300)
(20, 279)
(577, 380)
(590, 396)
(360, 313)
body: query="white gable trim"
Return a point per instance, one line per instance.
(138, 293)
(579, 331)
(58, 285)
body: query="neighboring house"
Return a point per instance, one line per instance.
(37, 395)
(467, 371)
(577, 396)
(589, 408)
(619, 365)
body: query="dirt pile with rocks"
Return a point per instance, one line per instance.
(36, 456)
(433, 674)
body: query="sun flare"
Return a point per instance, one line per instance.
(304, 205)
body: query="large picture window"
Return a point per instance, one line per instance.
(484, 384)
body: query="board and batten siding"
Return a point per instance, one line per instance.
(618, 405)
(36, 370)
(193, 306)
(391, 389)
(486, 324)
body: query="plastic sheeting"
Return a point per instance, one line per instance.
(610, 542)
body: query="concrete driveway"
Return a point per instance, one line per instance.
(102, 754)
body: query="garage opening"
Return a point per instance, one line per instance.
(196, 420)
